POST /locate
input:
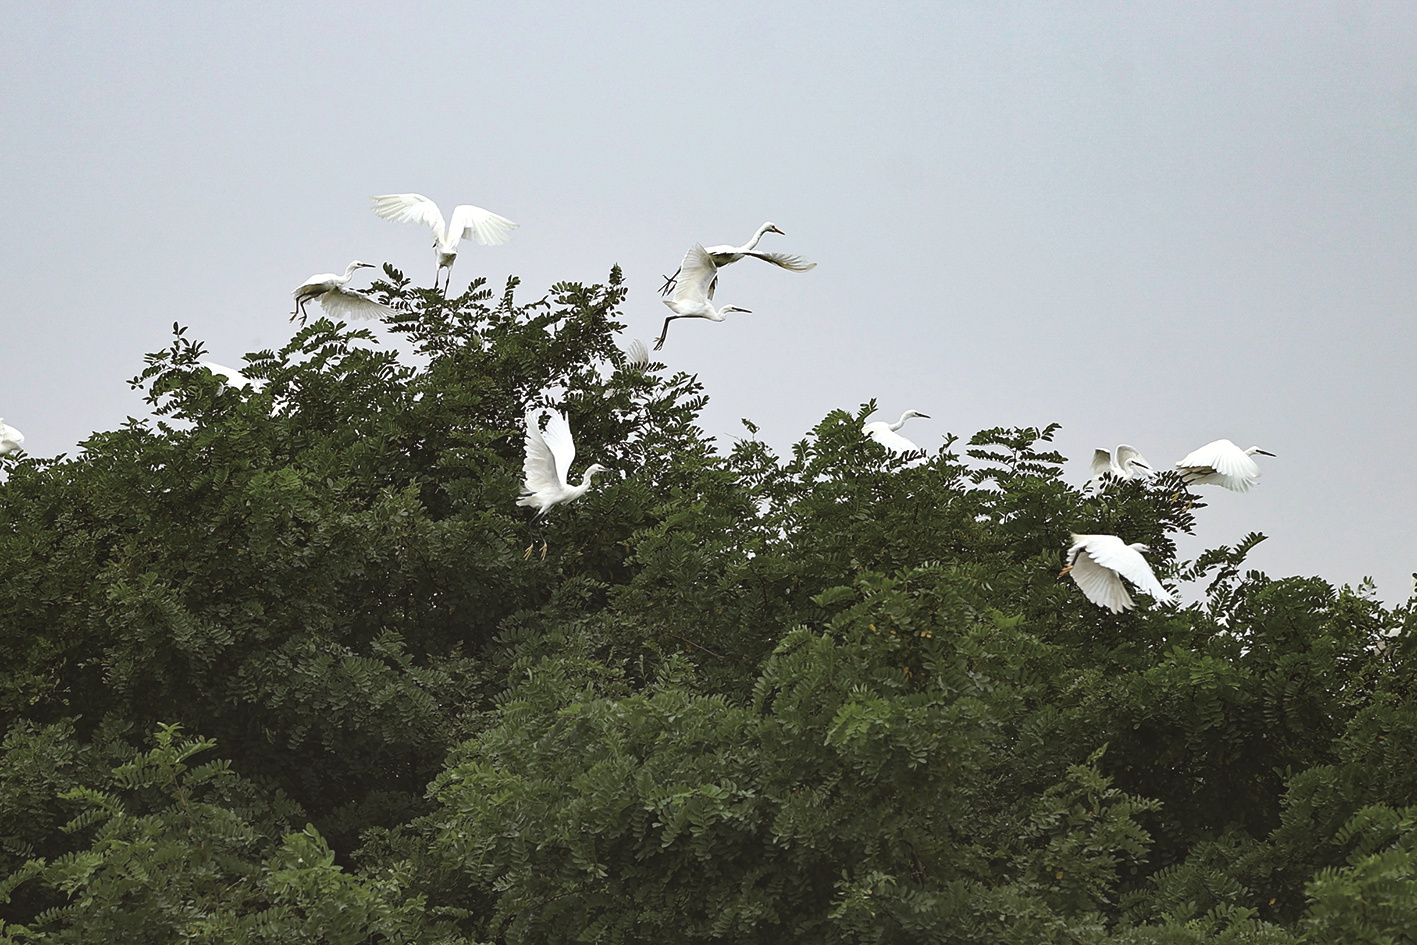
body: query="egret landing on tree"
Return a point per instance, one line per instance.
(468, 222)
(549, 455)
(691, 296)
(723, 255)
(329, 290)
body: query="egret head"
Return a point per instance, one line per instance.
(595, 468)
(733, 308)
(772, 228)
(916, 413)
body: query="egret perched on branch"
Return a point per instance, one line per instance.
(1222, 463)
(691, 294)
(10, 439)
(1099, 562)
(231, 376)
(549, 455)
(1122, 463)
(723, 255)
(467, 222)
(337, 301)
(884, 433)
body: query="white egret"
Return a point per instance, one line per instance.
(884, 433)
(1125, 462)
(1222, 463)
(467, 222)
(11, 440)
(723, 255)
(636, 355)
(691, 294)
(1099, 562)
(231, 376)
(549, 455)
(337, 301)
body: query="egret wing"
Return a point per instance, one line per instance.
(1129, 563)
(562, 446)
(636, 354)
(1130, 455)
(1100, 585)
(410, 208)
(347, 303)
(1101, 464)
(489, 229)
(539, 471)
(695, 273)
(793, 263)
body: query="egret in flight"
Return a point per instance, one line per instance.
(1122, 463)
(691, 295)
(338, 302)
(723, 255)
(549, 455)
(1099, 562)
(11, 440)
(1222, 463)
(468, 222)
(884, 433)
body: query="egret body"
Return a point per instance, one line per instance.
(467, 222)
(691, 294)
(1099, 562)
(1122, 463)
(724, 254)
(549, 455)
(886, 435)
(1222, 463)
(329, 290)
(11, 440)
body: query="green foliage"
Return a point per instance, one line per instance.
(820, 696)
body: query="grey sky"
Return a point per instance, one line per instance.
(1154, 223)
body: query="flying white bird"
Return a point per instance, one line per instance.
(884, 433)
(1222, 463)
(468, 222)
(1122, 463)
(1099, 562)
(691, 294)
(11, 440)
(337, 301)
(549, 455)
(231, 376)
(723, 255)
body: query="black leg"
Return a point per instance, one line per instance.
(660, 343)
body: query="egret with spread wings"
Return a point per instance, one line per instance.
(691, 296)
(549, 454)
(467, 222)
(886, 435)
(1125, 462)
(328, 288)
(723, 255)
(1222, 463)
(1099, 562)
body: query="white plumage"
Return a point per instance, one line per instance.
(636, 354)
(1122, 463)
(233, 377)
(549, 455)
(467, 222)
(691, 294)
(1099, 562)
(884, 433)
(11, 440)
(724, 254)
(1222, 463)
(338, 302)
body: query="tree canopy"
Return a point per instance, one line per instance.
(275, 669)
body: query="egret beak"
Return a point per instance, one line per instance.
(1264, 452)
(1137, 462)
(925, 416)
(777, 231)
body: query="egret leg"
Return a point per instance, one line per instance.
(670, 282)
(663, 334)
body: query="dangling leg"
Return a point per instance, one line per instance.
(670, 282)
(660, 343)
(536, 528)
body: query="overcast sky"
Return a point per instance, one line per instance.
(1157, 224)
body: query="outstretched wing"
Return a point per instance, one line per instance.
(793, 263)
(489, 229)
(559, 441)
(1127, 456)
(410, 208)
(347, 303)
(1101, 464)
(695, 273)
(1228, 462)
(636, 354)
(1099, 584)
(1129, 563)
(539, 473)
